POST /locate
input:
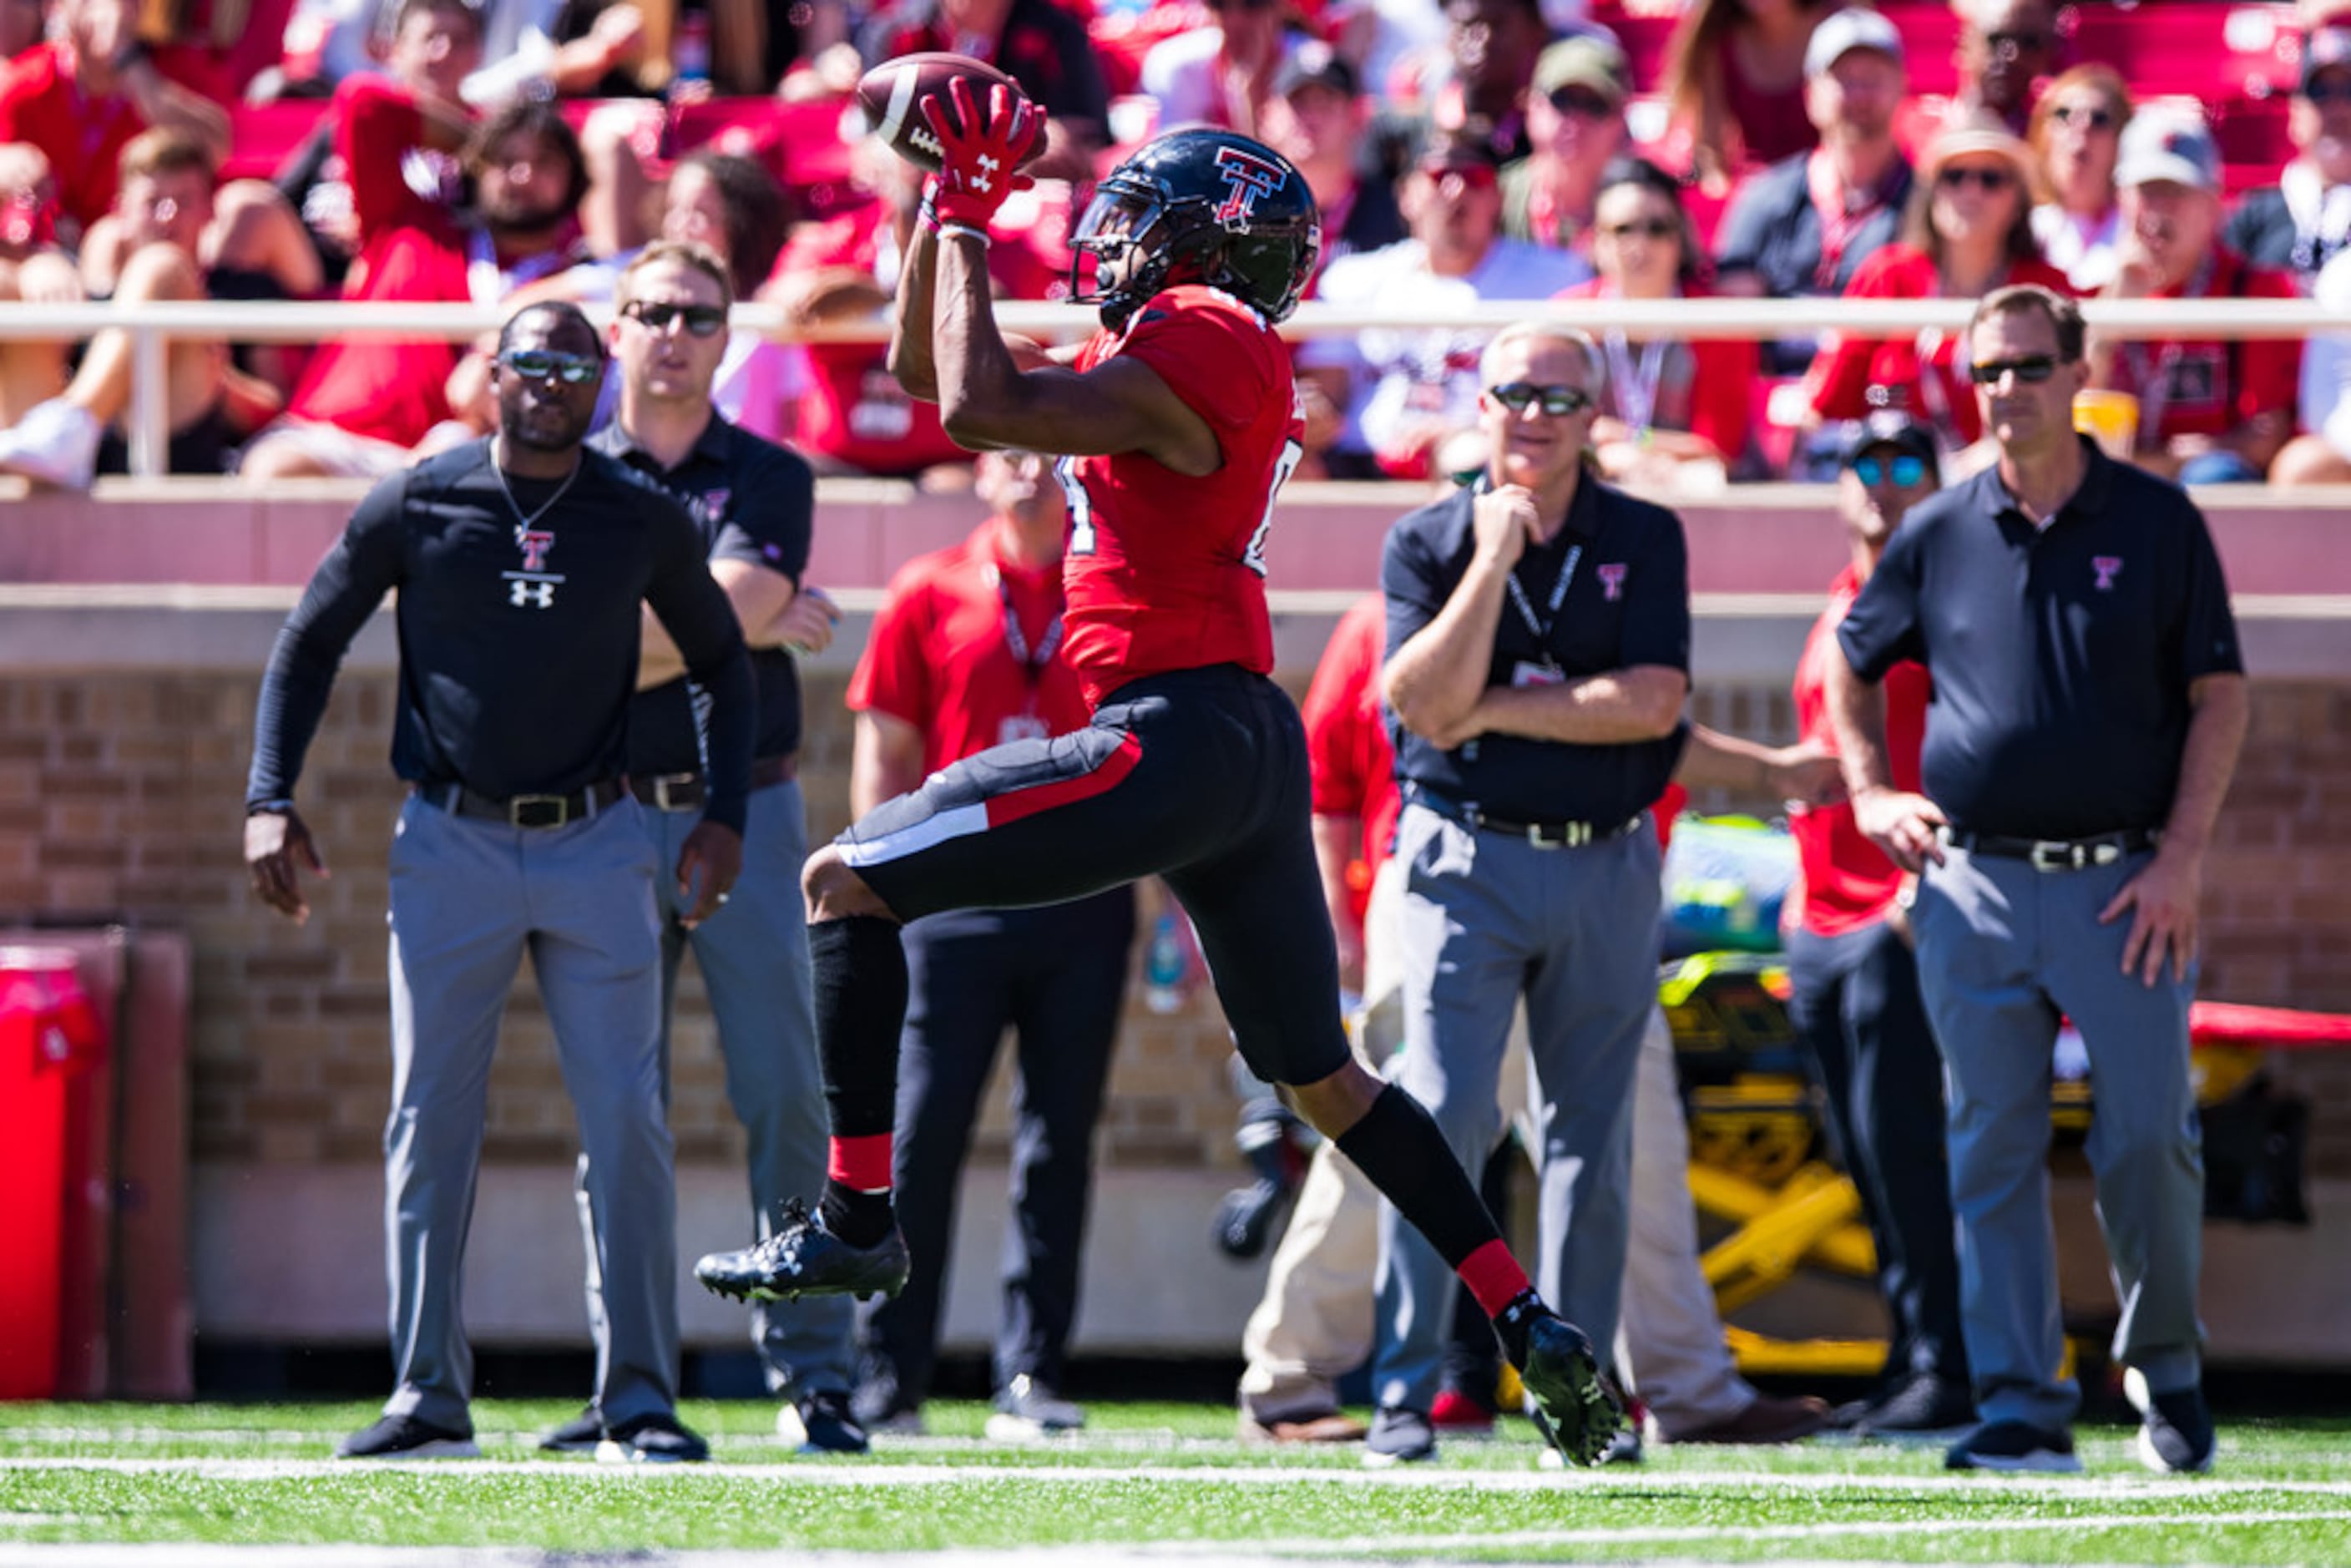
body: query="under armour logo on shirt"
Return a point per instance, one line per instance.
(526, 593)
(1611, 581)
(2106, 566)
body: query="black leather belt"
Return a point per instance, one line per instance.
(689, 791)
(1541, 835)
(2056, 854)
(525, 810)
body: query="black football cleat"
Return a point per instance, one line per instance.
(801, 1257)
(1570, 1401)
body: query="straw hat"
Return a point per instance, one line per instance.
(1982, 131)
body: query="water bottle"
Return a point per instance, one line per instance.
(1164, 964)
(690, 55)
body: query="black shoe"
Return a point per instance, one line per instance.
(1245, 1218)
(657, 1438)
(1029, 1411)
(803, 1258)
(578, 1436)
(406, 1438)
(828, 1423)
(2011, 1446)
(879, 1404)
(1570, 1401)
(1399, 1437)
(1925, 1403)
(2175, 1435)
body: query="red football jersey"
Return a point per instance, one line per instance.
(1166, 572)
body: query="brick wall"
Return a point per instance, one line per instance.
(118, 799)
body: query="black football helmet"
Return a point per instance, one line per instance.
(1199, 206)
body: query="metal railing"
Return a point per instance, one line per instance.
(152, 326)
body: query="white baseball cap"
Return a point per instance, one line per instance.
(1855, 28)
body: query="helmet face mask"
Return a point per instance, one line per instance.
(1198, 206)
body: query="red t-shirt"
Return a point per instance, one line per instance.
(1845, 881)
(2211, 388)
(411, 250)
(40, 104)
(1939, 395)
(1347, 746)
(1705, 386)
(939, 657)
(1165, 571)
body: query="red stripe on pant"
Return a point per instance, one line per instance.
(1108, 776)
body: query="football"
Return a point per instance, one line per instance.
(890, 93)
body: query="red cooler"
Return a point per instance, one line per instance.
(50, 1035)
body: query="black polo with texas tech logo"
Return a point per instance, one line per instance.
(518, 629)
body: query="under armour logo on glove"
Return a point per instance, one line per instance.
(976, 148)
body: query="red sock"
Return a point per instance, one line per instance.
(1493, 1276)
(861, 1164)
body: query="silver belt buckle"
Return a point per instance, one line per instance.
(2050, 855)
(521, 807)
(662, 786)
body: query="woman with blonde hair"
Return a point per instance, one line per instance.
(1734, 80)
(1968, 231)
(2076, 136)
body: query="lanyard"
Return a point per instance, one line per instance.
(1541, 629)
(1032, 661)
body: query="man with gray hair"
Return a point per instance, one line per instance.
(1538, 654)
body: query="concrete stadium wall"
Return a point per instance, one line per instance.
(134, 632)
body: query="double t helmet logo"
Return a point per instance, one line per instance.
(1247, 177)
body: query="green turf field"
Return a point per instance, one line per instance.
(1144, 1482)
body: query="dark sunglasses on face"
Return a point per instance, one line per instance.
(1992, 181)
(2030, 367)
(1904, 472)
(702, 321)
(2324, 92)
(1647, 228)
(1557, 401)
(1473, 176)
(1581, 103)
(548, 365)
(2018, 43)
(2090, 117)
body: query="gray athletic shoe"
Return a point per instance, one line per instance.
(1399, 1437)
(1029, 1412)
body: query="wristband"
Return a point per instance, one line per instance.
(962, 231)
(284, 808)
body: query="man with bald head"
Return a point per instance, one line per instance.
(520, 561)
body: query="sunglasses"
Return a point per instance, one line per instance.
(1582, 103)
(1647, 228)
(1903, 472)
(2032, 368)
(702, 321)
(1473, 176)
(2328, 91)
(2090, 117)
(547, 365)
(2018, 43)
(1992, 181)
(1557, 401)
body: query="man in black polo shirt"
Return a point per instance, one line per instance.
(521, 562)
(2088, 706)
(1538, 637)
(753, 502)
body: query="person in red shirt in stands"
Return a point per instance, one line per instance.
(81, 96)
(966, 654)
(35, 269)
(1671, 411)
(851, 416)
(2210, 413)
(364, 403)
(1734, 82)
(1857, 1005)
(1968, 231)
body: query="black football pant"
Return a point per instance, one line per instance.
(1057, 977)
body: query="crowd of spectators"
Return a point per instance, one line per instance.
(1462, 150)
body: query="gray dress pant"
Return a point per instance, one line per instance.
(468, 899)
(1489, 918)
(753, 955)
(2004, 950)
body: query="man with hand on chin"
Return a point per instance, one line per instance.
(1538, 637)
(2089, 705)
